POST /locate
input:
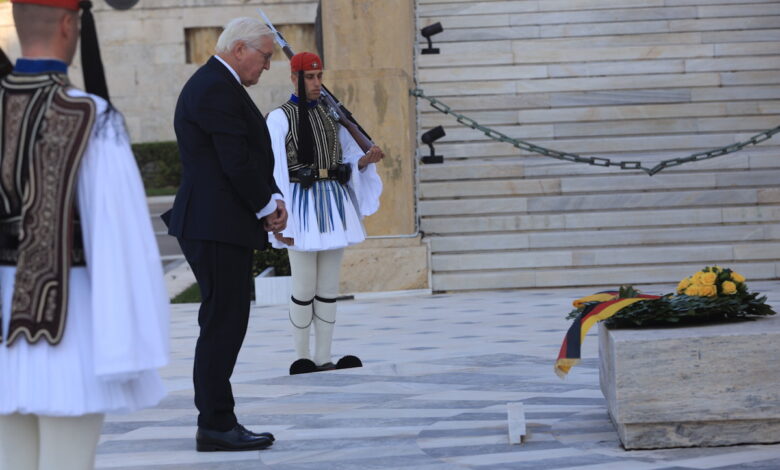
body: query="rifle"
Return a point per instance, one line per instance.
(337, 110)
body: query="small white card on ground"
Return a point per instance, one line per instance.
(516, 419)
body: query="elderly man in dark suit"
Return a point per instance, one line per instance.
(227, 202)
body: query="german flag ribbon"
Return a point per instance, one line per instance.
(598, 307)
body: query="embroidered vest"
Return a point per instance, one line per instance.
(44, 135)
(325, 130)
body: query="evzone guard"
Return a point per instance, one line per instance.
(329, 185)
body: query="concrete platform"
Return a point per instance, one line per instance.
(710, 385)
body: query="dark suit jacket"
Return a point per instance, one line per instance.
(227, 161)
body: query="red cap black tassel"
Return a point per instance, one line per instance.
(92, 65)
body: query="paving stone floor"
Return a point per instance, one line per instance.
(439, 372)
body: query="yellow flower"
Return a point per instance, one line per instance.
(736, 277)
(693, 289)
(683, 285)
(708, 278)
(696, 278)
(708, 290)
(729, 287)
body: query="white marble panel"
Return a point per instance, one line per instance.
(626, 127)
(490, 187)
(620, 182)
(590, 69)
(467, 21)
(492, 223)
(603, 16)
(769, 195)
(479, 242)
(496, 72)
(460, 170)
(610, 28)
(749, 35)
(581, 53)
(473, 206)
(746, 48)
(730, 64)
(655, 81)
(528, 132)
(478, 8)
(558, 5)
(502, 260)
(754, 23)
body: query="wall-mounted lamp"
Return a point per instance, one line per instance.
(429, 137)
(429, 31)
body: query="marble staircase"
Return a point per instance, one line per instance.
(626, 80)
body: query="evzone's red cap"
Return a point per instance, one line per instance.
(67, 4)
(305, 61)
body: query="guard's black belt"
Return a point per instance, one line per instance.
(320, 174)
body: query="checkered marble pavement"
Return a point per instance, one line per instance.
(439, 372)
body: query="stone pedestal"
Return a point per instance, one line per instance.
(708, 385)
(389, 264)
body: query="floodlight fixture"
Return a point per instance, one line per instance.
(429, 31)
(428, 138)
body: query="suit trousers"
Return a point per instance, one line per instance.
(223, 272)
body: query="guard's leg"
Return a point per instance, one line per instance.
(303, 265)
(69, 443)
(328, 269)
(19, 442)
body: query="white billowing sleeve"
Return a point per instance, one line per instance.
(130, 305)
(277, 128)
(366, 185)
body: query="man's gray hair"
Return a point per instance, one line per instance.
(244, 29)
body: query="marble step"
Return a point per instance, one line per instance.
(606, 184)
(620, 128)
(524, 52)
(763, 57)
(617, 219)
(465, 7)
(761, 157)
(575, 17)
(608, 276)
(524, 31)
(691, 250)
(598, 202)
(743, 86)
(766, 230)
(681, 111)
(580, 84)
(684, 144)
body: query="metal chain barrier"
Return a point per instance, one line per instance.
(606, 162)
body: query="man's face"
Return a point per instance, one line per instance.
(253, 61)
(313, 82)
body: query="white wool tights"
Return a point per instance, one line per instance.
(32, 442)
(315, 284)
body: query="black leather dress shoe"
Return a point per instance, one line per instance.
(262, 434)
(237, 439)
